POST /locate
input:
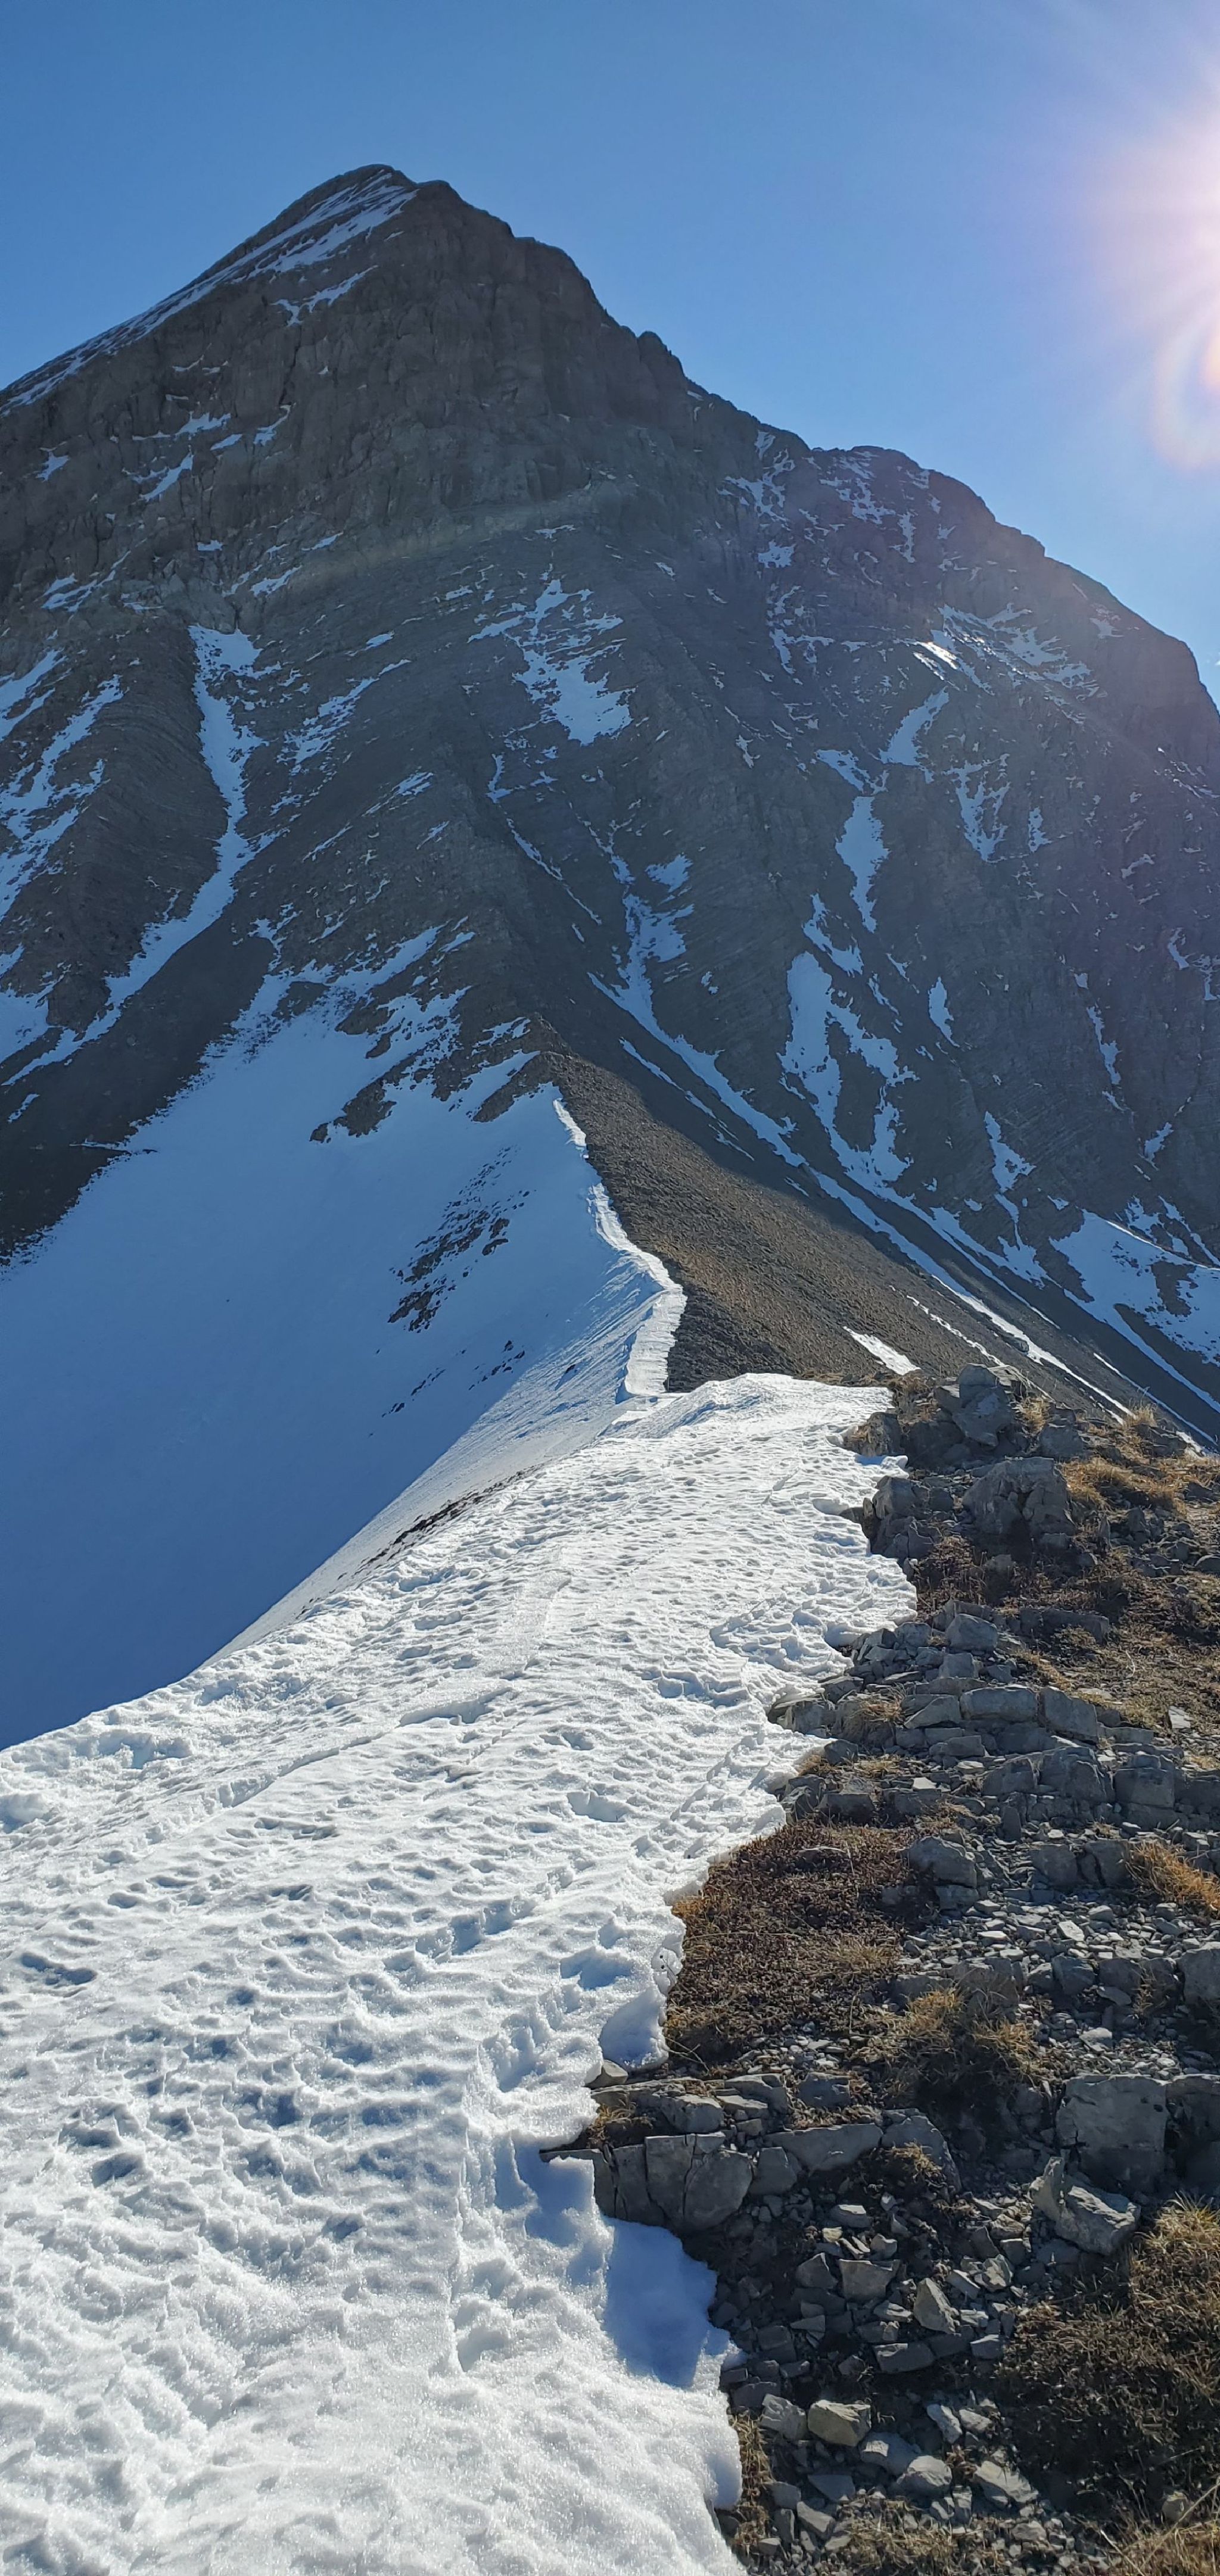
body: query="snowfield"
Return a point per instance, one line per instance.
(305, 1960)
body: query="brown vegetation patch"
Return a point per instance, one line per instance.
(951, 2052)
(1193, 2549)
(892, 2543)
(1120, 2392)
(1161, 1874)
(787, 1931)
(751, 2521)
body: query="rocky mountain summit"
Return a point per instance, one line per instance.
(415, 691)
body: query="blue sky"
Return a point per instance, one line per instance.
(983, 232)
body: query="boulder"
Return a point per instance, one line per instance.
(1014, 1776)
(998, 2485)
(689, 2112)
(1097, 2221)
(1062, 1440)
(1019, 1497)
(980, 1406)
(1116, 2123)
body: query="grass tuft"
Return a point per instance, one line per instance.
(951, 2052)
(788, 1930)
(1162, 1875)
(892, 2543)
(1124, 2384)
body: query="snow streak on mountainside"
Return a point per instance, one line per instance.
(307, 1957)
(410, 681)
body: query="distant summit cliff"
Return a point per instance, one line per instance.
(398, 650)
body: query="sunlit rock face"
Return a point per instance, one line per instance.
(394, 639)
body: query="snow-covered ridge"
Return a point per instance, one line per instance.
(308, 1956)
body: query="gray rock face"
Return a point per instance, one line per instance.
(379, 585)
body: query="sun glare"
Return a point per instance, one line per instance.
(1164, 249)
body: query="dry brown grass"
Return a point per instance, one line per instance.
(789, 1931)
(1163, 1876)
(753, 2516)
(1193, 2549)
(890, 2543)
(949, 2052)
(1121, 2391)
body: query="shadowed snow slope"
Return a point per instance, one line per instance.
(243, 1342)
(308, 1956)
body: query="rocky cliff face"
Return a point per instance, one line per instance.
(398, 647)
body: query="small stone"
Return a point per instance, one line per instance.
(775, 2173)
(834, 2484)
(784, 2496)
(896, 2358)
(888, 2451)
(820, 2524)
(1201, 1974)
(1096, 2221)
(931, 2310)
(830, 2150)
(926, 2477)
(945, 2420)
(836, 2421)
(998, 2485)
(824, 2092)
(778, 2415)
(863, 2282)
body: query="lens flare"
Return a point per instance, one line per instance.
(1163, 236)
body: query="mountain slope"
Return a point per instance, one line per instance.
(409, 672)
